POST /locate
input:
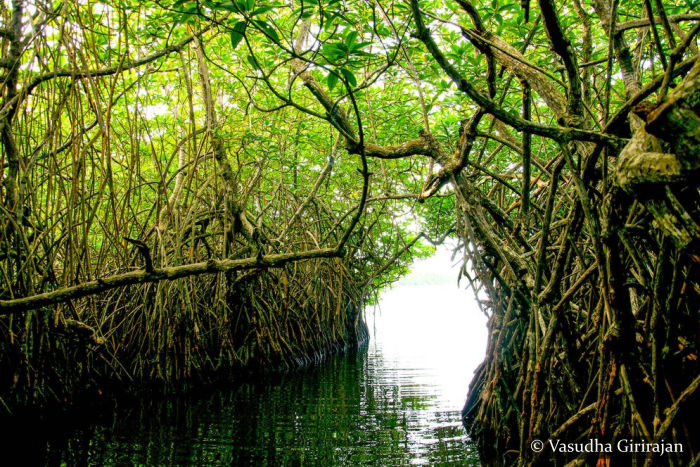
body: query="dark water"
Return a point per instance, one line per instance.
(354, 409)
(396, 402)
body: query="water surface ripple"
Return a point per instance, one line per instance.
(395, 402)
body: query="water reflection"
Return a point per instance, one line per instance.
(395, 403)
(352, 410)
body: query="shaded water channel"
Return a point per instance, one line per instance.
(395, 402)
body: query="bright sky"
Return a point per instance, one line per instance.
(427, 321)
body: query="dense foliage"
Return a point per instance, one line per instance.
(205, 142)
(154, 209)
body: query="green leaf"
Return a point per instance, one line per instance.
(332, 80)
(351, 38)
(228, 6)
(268, 30)
(237, 33)
(331, 51)
(308, 13)
(235, 6)
(265, 9)
(359, 46)
(349, 76)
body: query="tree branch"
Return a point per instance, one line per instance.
(563, 134)
(158, 274)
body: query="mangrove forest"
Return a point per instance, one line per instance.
(195, 192)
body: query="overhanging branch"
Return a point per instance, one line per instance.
(158, 274)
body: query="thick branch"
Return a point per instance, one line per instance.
(559, 134)
(414, 147)
(641, 23)
(622, 52)
(159, 274)
(562, 46)
(516, 63)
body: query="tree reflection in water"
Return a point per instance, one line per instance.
(396, 402)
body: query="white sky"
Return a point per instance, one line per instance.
(437, 328)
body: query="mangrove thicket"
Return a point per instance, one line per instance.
(204, 187)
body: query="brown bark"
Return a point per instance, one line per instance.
(664, 156)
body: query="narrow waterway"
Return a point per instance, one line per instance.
(396, 402)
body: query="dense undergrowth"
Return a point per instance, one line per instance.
(173, 335)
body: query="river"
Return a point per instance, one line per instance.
(395, 402)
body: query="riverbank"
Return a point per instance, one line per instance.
(169, 338)
(386, 404)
